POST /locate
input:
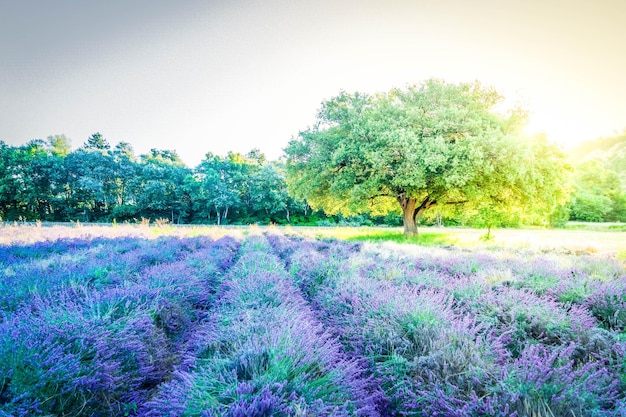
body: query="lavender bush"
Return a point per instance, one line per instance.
(608, 304)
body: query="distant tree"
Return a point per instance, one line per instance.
(97, 142)
(618, 209)
(589, 207)
(166, 156)
(598, 147)
(125, 170)
(220, 184)
(256, 157)
(434, 144)
(59, 145)
(41, 169)
(30, 181)
(268, 192)
(125, 149)
(9, 182)
(242, 188)
(91, 183)
(160, 185)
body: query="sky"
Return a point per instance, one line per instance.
(216, 76)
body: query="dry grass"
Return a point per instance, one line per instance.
(14, 233)
(576, 242)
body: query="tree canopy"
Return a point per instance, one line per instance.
(46, 180)
(427, 145)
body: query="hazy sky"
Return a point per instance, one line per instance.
(199, 76)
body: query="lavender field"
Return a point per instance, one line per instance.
(278, 324)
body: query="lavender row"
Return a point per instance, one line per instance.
(598, 284)
(13, 254)
(106, 263)
(263, 353)
(453, 343)
(104, 350)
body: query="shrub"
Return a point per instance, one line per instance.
(94, 356)
(548, 380)
(608, 304)
(525, 316)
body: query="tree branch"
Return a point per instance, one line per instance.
(339, 167)
(379, 195)
(425, 205)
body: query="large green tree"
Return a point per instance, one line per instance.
(427, 145)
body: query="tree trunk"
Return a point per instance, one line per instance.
(411, 212)
(408, 216)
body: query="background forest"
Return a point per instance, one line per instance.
(47, 180)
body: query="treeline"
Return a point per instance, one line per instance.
(46, 180)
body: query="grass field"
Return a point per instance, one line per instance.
(606, 242)
(207, 321)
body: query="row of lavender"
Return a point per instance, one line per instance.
(458, 334)
(94, 326)
(285, 326)
(263, 353)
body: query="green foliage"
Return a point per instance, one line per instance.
(246, 184)
(600, 180)
(598, 196)
(536, 194)
(124, 213)
(588, 207)
(59, 145)
(162, 196)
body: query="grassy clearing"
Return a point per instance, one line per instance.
(604, 242)
(423, 239)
